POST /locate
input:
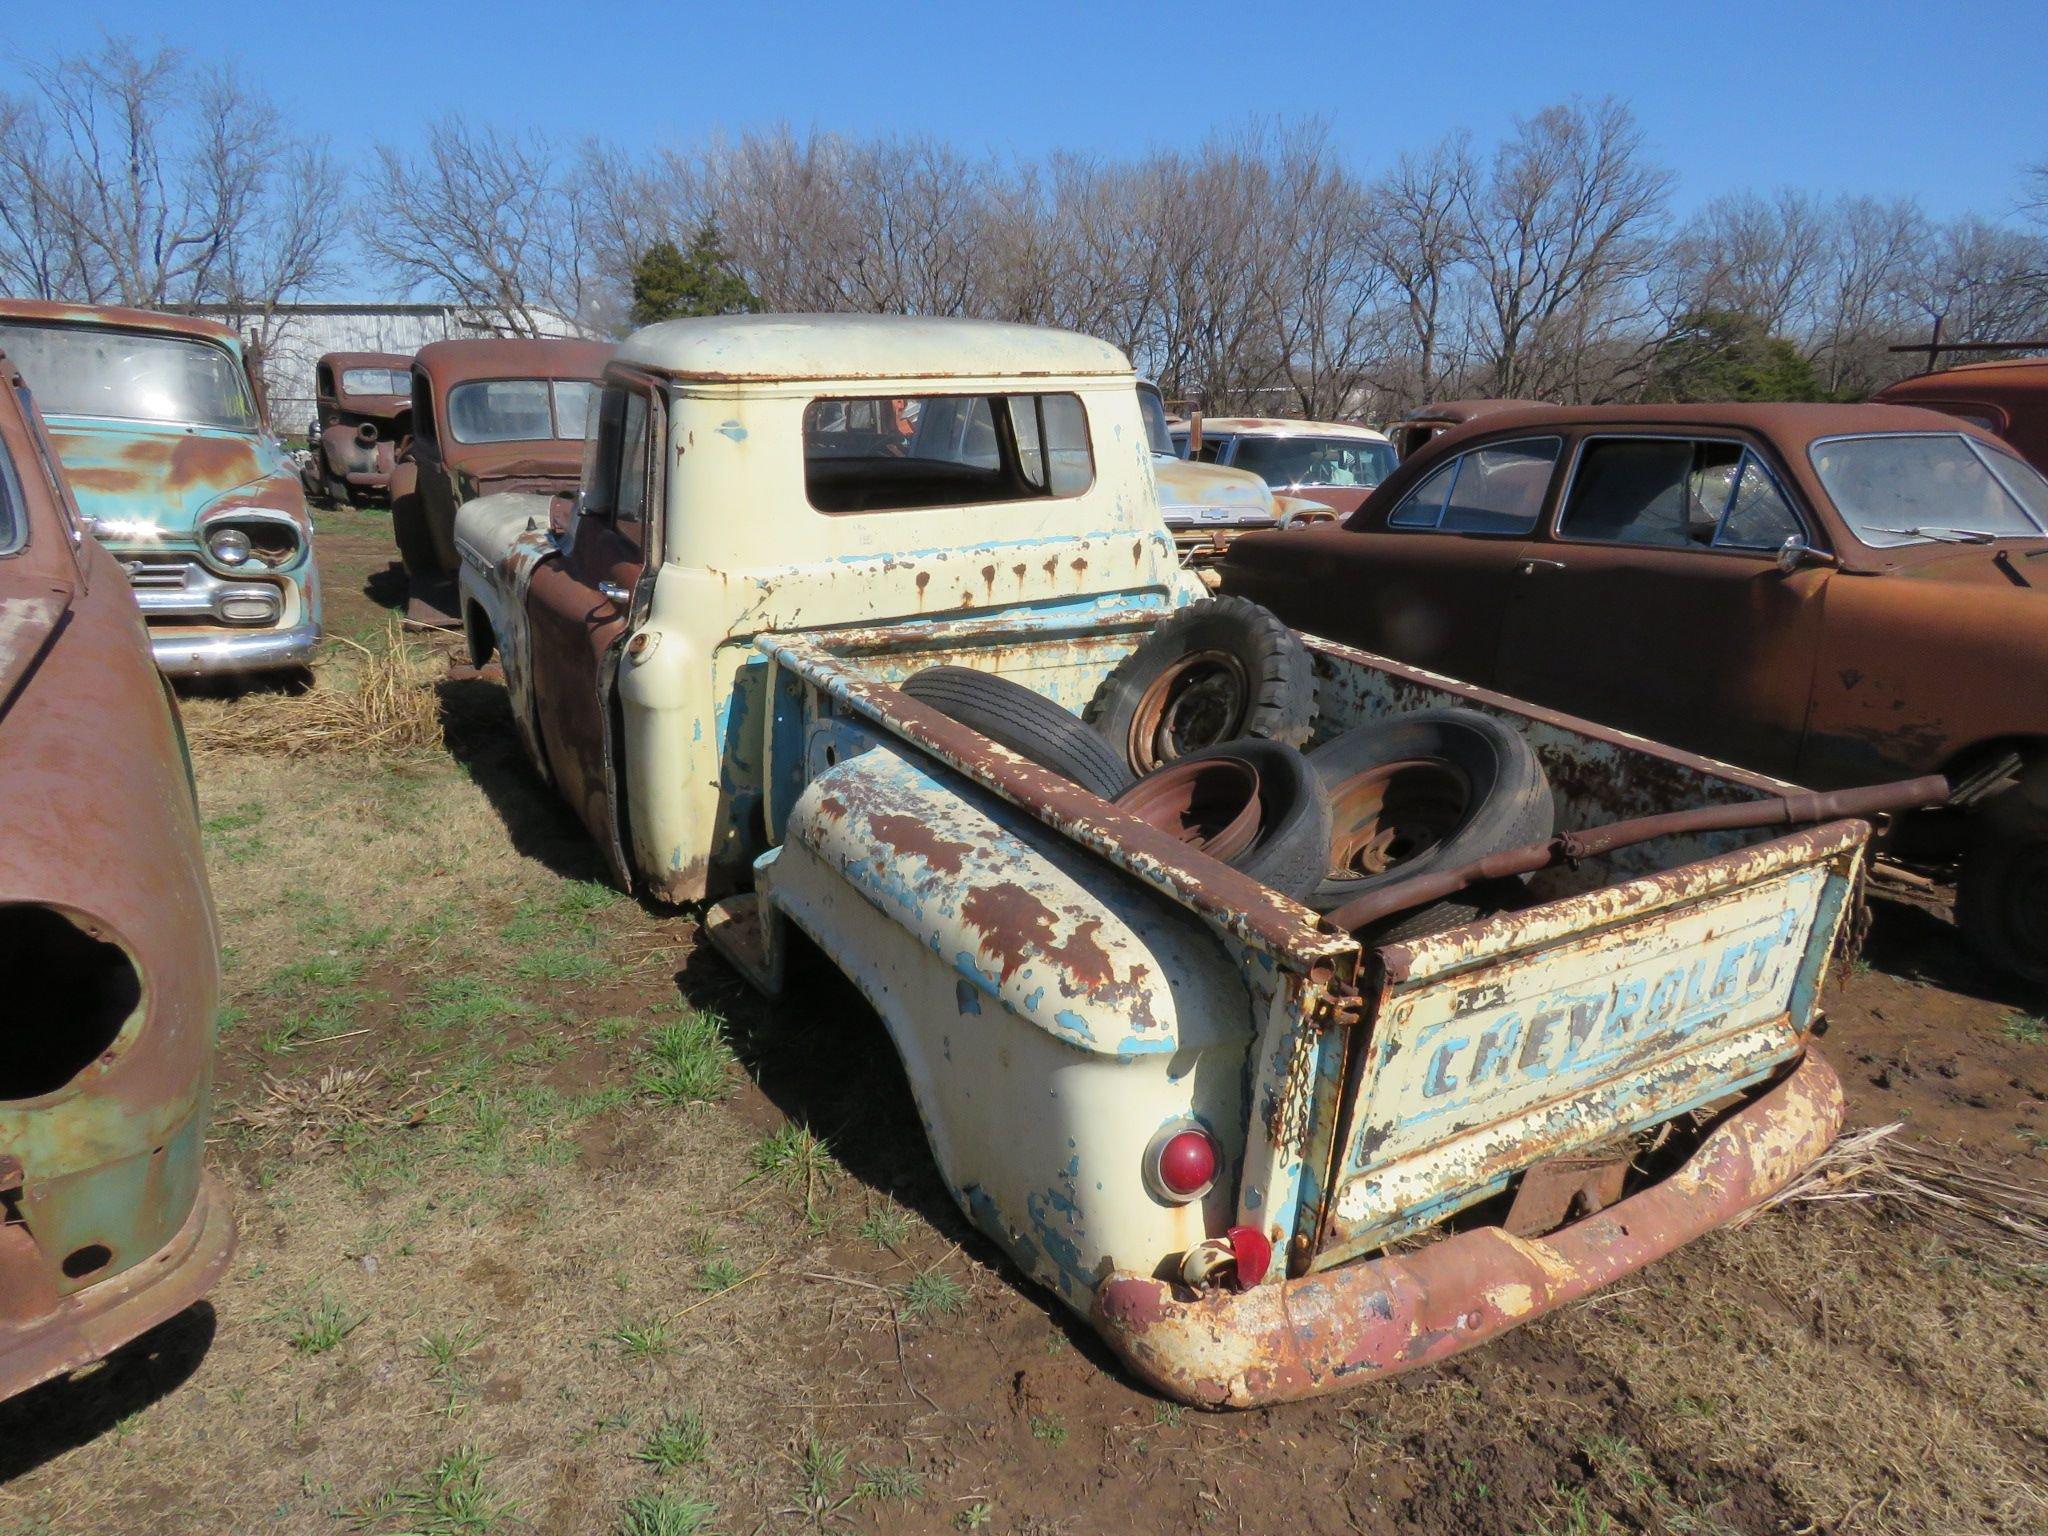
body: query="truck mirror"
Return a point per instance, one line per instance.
(562, 509)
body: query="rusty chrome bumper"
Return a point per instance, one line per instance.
(43, 1335)
(1295, 1338)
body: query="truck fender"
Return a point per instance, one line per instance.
(1051, 1013)
(498, 542)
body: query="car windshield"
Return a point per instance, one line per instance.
(1153, 409)
(375, 381)
(1918, 487)
(95, 370)
(1333, 461)
(519, 410)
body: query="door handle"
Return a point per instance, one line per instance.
(612, 592)
(1531, 566)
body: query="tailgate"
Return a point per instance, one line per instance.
(1562, 1027)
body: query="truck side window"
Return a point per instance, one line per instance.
(618, 477)
(899, 453)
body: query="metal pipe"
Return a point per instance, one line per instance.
(1776, 811)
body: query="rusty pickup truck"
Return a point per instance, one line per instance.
(1264, 1156)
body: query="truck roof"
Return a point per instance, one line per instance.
(732, 349)
(1285, 426)
(114, 314)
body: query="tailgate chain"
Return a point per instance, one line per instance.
(1289, 1126)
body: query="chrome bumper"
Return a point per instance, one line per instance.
(211, 652)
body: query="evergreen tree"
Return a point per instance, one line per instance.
(669, 284)
(1718, 354)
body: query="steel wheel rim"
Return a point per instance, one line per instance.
(1394, 814)
(1201, 700)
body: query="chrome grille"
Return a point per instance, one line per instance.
(159, 573)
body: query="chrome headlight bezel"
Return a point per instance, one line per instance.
(276, 540)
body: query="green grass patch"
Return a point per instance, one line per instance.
(686, 1061)
(933, 1293)
(664, 1514)
(678, 1441)
(2022, 1029)
(454, 1499)
(321, 1325)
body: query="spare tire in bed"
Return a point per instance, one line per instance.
(1028, 723)
(1422, 792)
(1289, 851)
(1212, 672)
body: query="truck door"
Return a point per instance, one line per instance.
(1658, 606)
(583, 600)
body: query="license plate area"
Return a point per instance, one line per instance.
(1484, 1058)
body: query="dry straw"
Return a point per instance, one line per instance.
(385, 703)
(1972, 1203)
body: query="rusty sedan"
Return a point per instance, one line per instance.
(1832, 594)
(108, 1225)
(488, 415)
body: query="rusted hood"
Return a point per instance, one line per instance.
(527, 465)
(1195, 495)
(1976, 565)
(127, 473)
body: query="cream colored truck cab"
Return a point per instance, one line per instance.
(750, 474)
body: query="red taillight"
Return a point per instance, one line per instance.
(1181, 1165)
(1254, 1255)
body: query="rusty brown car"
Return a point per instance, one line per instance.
(362, 400)
(2007, 395)
(488, 415)
(108, 1225)
(1833, 594)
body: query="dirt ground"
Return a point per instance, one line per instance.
(548, 1225)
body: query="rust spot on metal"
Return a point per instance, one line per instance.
(907, 835)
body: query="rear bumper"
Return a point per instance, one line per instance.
(1296, 1338)
(88, 1324)
(212, 652)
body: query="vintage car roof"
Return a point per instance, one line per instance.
(1787, 424)
(1453, 411)
(113, 314)
(772, 348)
(2005, 372)
(512, 357)
(1282, 426)
(367, 359)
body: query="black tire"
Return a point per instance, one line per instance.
(2002, 891)
(1468, 906)
(1212, 672)
(1028, 723)
(1430, 790)
(1291, 854)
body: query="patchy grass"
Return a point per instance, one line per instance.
(932, 1293)
(486, 1259)
(2022, 1029)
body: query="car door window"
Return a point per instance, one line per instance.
(1758, 515)
(1495, 489)
(1675, 493)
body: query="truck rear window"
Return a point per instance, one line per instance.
(895, 453)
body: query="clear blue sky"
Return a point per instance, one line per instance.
(1942, 102)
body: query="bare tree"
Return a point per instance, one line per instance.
(1876, 247)
(1415, 232)
(1755, 256)
(1559, 234)
(134, 178)
(488, 219)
